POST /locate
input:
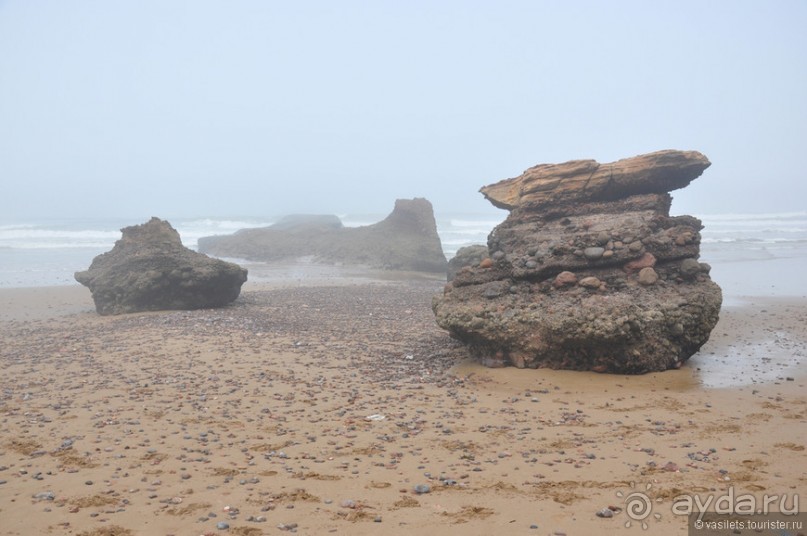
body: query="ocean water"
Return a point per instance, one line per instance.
(750, 254)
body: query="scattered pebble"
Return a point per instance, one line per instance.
(605, 512)
(393, 413)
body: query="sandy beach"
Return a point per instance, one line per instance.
(337, 406)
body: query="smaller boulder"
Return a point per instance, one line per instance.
(149, 269)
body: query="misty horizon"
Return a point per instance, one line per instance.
(258, 109)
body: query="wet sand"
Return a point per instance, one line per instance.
(320, 407)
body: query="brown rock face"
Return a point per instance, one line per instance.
(588, 180)
(467, 256)
(407, 239)
(149, 270)
(589, 271)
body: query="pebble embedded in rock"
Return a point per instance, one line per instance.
(648, 276)
(590, 282)
(593, 253)
(564, 279)
(690, 268)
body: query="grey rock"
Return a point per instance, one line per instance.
(593, 253)
(407, 239)
(590, 282)
(150, 270)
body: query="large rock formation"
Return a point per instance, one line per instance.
(149, 269)
(589, 271)
(406, 240)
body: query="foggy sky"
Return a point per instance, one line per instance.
(255, 108)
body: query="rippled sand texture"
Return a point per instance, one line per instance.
(321, 409)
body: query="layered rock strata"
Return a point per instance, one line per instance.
(407, 239)
(149, 269)
(589, 271)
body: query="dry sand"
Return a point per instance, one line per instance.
(319, 409)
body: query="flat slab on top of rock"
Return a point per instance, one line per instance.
(587, 180)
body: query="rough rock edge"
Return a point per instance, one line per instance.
(149, 269)
(587, 180)
(562, 290)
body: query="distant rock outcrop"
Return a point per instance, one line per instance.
(589, 271)
(406, 240)
(149, 269)
(296, 221)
